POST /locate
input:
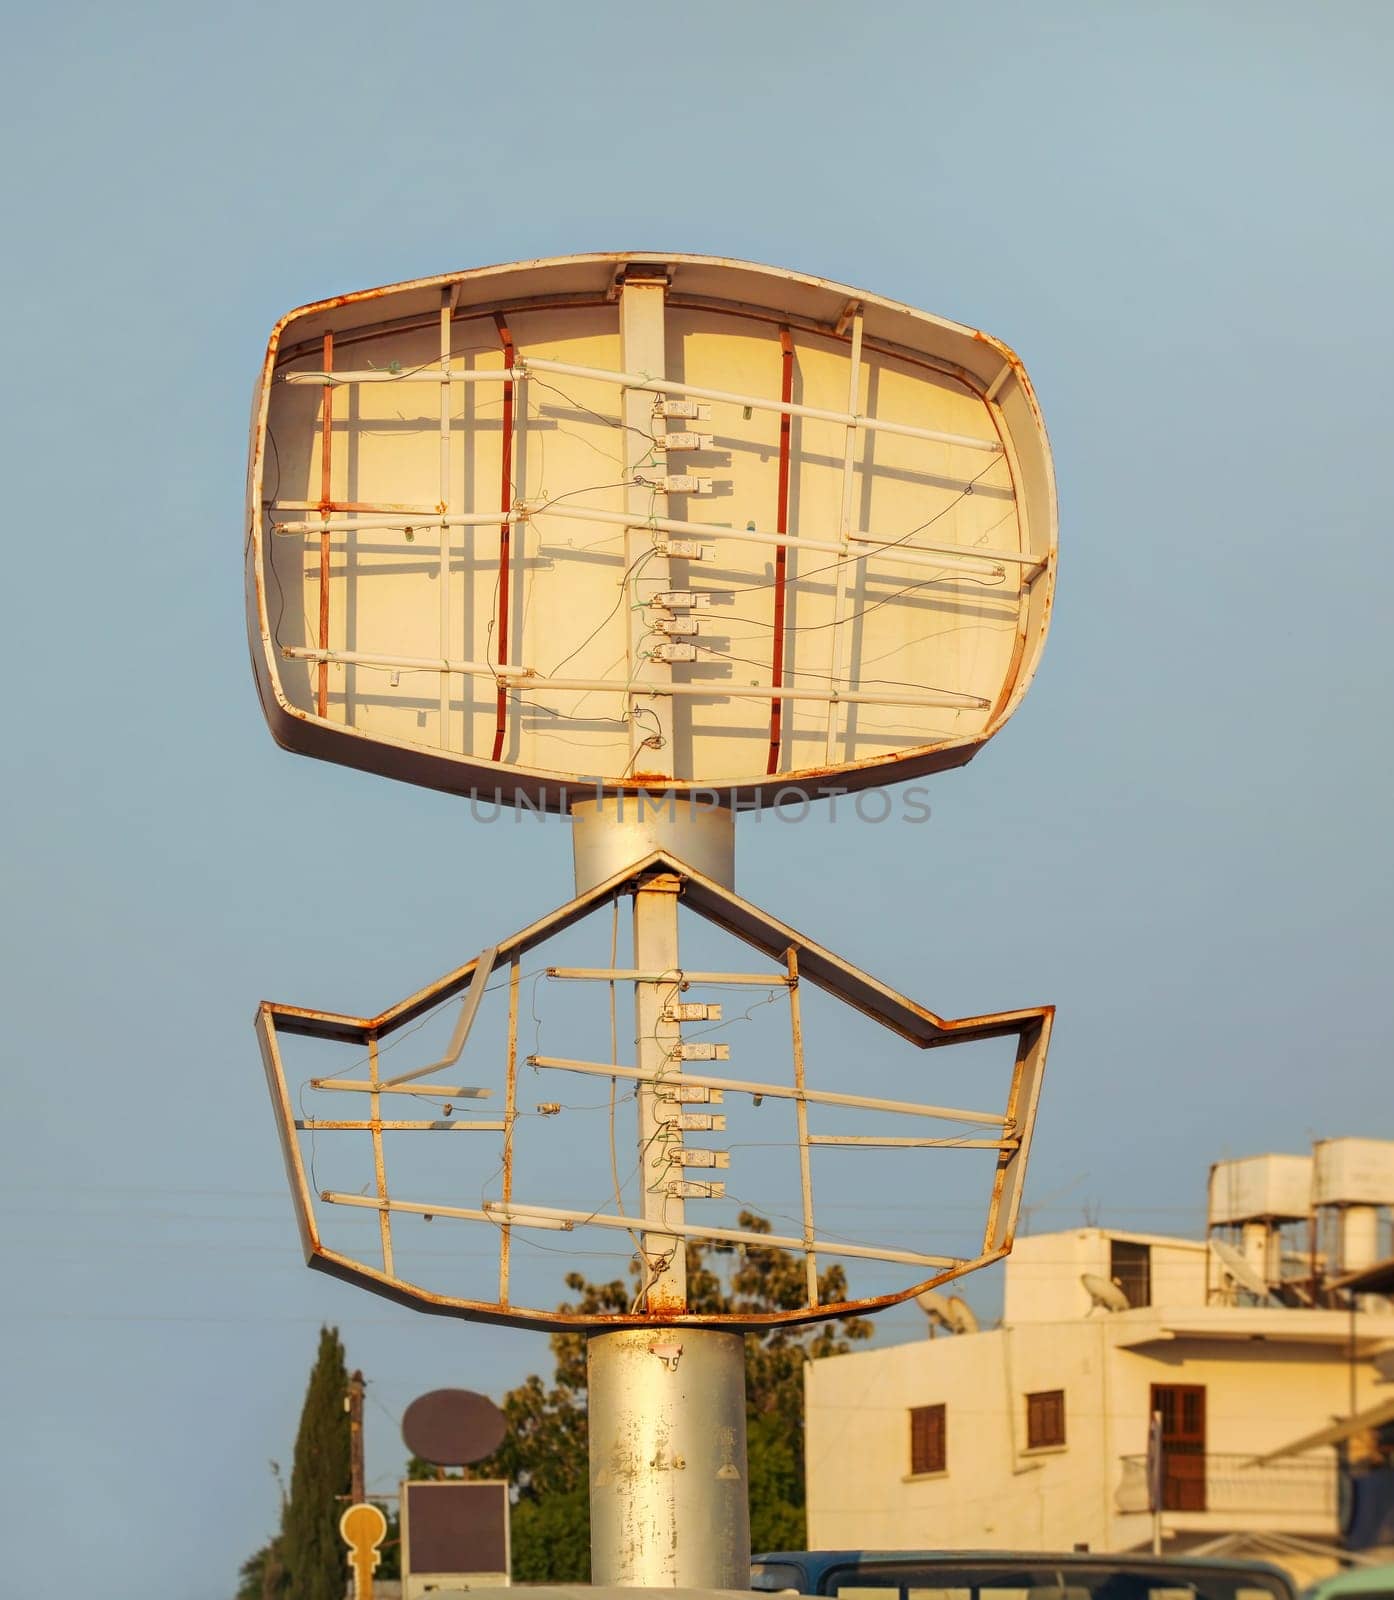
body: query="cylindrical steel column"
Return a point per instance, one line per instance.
(669, 1496)
(613, 833)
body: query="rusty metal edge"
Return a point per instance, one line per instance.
(725, 909)
(743, 920)
(416, 1298)
(1022, 1103)
(285, 1130)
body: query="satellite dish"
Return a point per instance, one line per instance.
(1240, 1270)
(948, 1311)
(1105, 1293)
(452, 1427)
(598, 524)
(936, 1308)
(961, 1316)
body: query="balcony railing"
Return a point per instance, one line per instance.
(1234, 1484)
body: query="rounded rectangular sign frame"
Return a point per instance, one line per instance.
(625, 523)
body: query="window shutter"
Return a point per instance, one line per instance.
(1045, 1419)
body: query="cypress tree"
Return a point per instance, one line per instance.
(310, 1547)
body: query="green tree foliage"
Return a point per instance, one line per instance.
(306, 1560)
(319, 1476)
(544, 1453)
(262, 1576)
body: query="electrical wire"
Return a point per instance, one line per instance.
(875, 550)
(609, 422)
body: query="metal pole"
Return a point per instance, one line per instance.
(669, 1498)
(657, 1038)
(642, 344)
(668, 1485)
(353, 1404)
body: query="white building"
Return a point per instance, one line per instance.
(1034, 1435)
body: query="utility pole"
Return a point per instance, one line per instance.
(353, 1404)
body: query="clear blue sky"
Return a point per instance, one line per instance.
(1179, 215)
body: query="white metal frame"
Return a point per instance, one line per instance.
(797, 960)
(978, 363)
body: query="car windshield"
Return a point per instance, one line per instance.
(1030, 1578)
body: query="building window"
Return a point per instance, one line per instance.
(1045, 1419)
(1130, 1265)
(1181, 1407)
(928, 1445)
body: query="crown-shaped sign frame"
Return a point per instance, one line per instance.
(799, 960)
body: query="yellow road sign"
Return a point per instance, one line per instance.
(362, 1528)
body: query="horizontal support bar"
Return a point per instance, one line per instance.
(447, 1124)
(371, 522)
(521, 679)
(644, 384)
(376, 508)
(873, 1141)
(435, 1090)
(983, 560)
(433, 373)
(514, 1214)
(755, 402)
(364, 658)
(773, 980)
(773, 1091)
(944, 699)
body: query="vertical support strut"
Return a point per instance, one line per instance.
(505, 531)
(326, 496)
(664, 1282)
(791, 957)
(781, 555)
(839, 666)
(379, 1164)
(641, 295)
(510, 1122)
(444, 576)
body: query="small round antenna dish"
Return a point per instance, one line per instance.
(961, 1315)
(1239, 1270)
(948, 1311)
(1102, 1292)
(453, 1427)
(936, 1307)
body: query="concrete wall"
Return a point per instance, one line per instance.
(1260, 1394)
(995, 1492)
(1043, 1273)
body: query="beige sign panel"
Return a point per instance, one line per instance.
(635, 523)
